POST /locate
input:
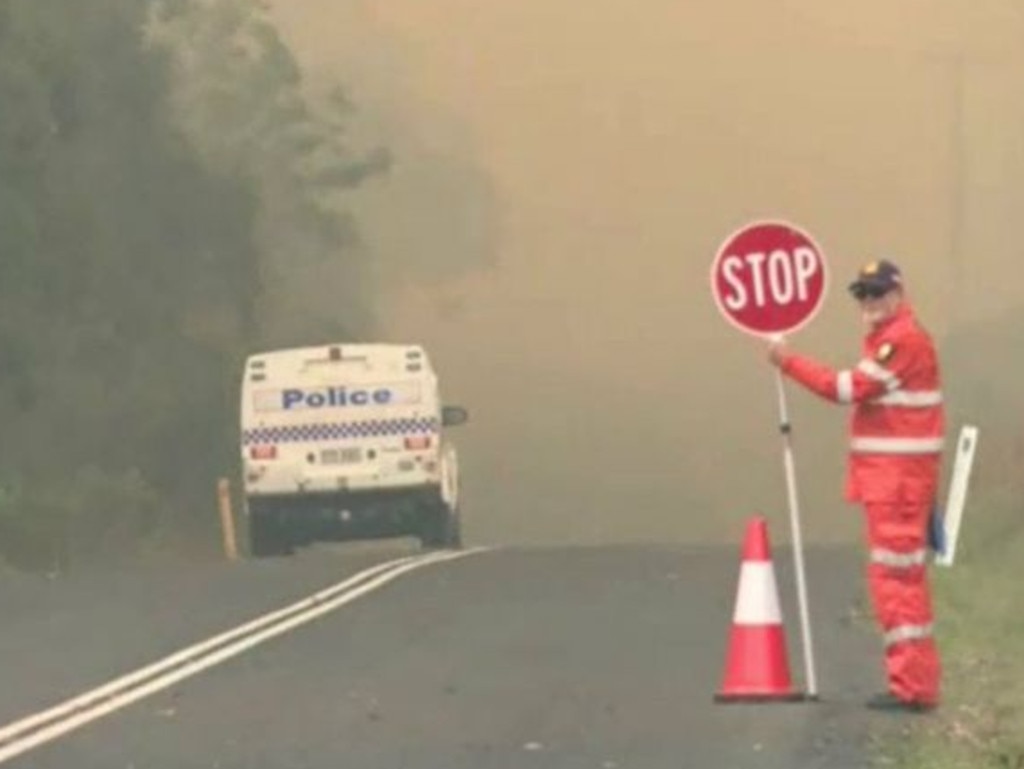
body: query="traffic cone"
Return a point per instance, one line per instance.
(756, 666)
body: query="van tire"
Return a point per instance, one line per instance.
(441, 529)
(267, 544)
(266, 537)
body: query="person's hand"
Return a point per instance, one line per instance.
(777, 351)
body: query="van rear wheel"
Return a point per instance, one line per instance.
(441, 528)
(267, 538)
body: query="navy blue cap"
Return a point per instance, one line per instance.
(876, 279)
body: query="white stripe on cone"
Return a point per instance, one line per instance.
(757, 599)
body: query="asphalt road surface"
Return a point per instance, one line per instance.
(606, 658)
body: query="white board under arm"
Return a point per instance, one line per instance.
(965, 447)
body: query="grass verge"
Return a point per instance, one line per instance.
(979, 609)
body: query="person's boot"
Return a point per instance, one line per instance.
(890, 702)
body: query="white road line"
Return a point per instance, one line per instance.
(18, 727)
(123, 691)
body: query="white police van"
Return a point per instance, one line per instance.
(347, 441)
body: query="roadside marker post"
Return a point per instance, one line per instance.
(958, 487)
(227, 519)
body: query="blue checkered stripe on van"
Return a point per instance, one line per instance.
(336, 431)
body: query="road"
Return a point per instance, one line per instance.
(561, 657)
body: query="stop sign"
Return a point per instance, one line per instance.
(769, 277)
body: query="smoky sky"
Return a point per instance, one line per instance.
(564, 174)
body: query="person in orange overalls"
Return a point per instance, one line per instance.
(895, 450)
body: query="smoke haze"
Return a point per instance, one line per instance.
(564, 173)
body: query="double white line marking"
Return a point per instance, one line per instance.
(32, 731)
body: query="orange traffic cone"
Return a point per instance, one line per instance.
(756, 667)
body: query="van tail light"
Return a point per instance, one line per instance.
(263, 452)
(417, 442)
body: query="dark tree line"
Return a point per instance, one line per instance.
(168, 195)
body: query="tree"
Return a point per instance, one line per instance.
(239, 94)
(149, 184)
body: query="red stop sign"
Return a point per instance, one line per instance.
(769, 278)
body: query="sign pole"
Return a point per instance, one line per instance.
(798, 555)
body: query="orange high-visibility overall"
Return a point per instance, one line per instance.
(896, 438)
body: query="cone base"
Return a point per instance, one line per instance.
(756, 697)
(756, 664)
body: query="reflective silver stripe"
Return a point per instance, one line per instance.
(844, 387)
(913, 400)
(903, 633)
(880, 374)
(896, 445)
(898, 560)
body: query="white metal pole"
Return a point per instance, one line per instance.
(798, 555)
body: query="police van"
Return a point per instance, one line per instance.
(345, 442)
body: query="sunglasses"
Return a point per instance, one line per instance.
(861, 292)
